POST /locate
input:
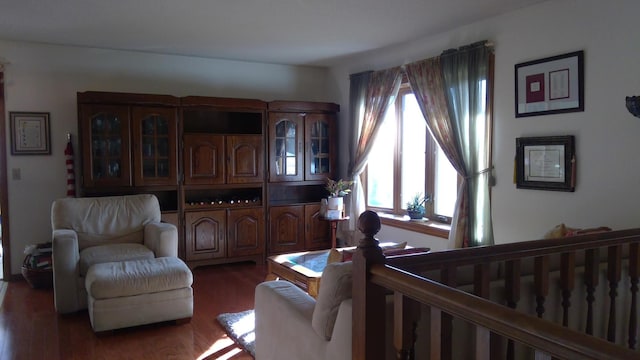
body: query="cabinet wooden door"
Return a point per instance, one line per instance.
(154, 145)
(320, 161)
(246, 233)
(205, 234)
(317, 234)
(286, 229)
(105, 145)
(204, 159)
(245, 159)
(286, 135)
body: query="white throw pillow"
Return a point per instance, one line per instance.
(335, 286)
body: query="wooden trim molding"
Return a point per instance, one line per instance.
(432, 228)
(4, 193)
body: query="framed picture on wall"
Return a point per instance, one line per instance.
(550, 85)
(546, 163)
(29, 133)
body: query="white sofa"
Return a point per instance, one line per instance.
(88, 231)
(290, 324)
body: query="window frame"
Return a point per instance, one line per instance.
(395, 216)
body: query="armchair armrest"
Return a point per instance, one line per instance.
(162, 239)
(66, 270)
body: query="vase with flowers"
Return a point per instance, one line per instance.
(335, 203)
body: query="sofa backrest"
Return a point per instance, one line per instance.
(109, 219)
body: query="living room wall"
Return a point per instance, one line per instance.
(608, 170)
(46, 78)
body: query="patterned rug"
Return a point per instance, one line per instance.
(240, 327)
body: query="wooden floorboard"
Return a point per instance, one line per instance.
(31, 329)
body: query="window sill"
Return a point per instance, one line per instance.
(428, 227)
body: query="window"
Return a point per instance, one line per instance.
(406, 160)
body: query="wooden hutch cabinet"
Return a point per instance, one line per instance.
(222, 168)
(128, 141)
(302, 143)
(224, 178)
(298, 228)
(128, 145)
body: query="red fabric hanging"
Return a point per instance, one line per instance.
(71, 177)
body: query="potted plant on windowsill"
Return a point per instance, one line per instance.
(336, 189)
(415, 207)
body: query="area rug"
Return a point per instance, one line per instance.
(240, 327)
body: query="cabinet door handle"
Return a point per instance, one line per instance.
(300, 147)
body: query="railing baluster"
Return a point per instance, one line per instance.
(481, 278)
(614, 270)
(405, 314)
(449, 278)
(591, 278)
(567, 282)
(436, 326)
(541, 280)
(512, 289)
(634, 271)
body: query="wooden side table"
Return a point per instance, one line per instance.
(334, 228)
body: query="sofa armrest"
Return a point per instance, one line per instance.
(283, 312)
(161, 238)
(66, 270)
(342, 332)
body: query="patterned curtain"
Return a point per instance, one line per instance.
(381, 89)
(357, 102)
(466, 74)
(458, 135)
(425, 78)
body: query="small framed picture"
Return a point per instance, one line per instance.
(546, 163)
(550, 85)
(30, 133)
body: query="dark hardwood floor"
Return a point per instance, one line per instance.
(31, 329)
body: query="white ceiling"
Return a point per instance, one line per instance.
(297, 32)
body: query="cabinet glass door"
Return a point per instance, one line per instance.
(286, 147)
(155, 136)
(320, 161)
(107, 131)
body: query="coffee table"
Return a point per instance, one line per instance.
(303, 269)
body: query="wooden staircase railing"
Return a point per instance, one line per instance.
(374, 276)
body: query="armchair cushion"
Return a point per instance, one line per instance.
(335, 287)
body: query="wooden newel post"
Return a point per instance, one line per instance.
(368, 299)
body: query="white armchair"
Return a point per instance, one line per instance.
(88, 231)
